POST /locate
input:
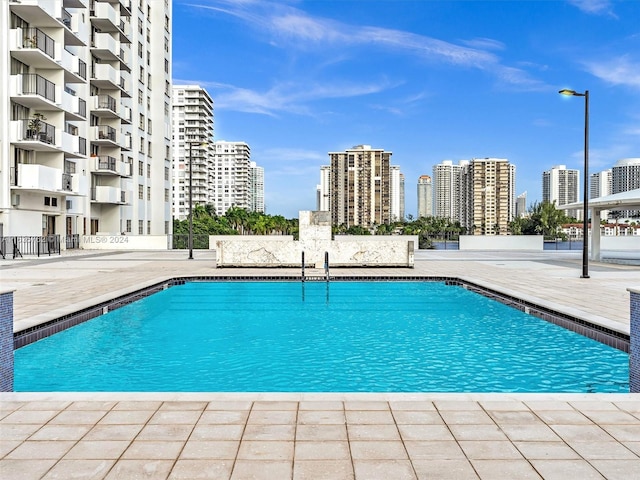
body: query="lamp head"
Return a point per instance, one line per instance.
(568, 92)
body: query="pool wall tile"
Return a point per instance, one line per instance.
(634, 354)
(6, 341)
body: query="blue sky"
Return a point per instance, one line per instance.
(427, 80)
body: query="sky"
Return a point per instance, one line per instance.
(428, 80)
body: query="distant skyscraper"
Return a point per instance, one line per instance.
(487, 203)
(561, 186)
(360, 186)
(231, 176)
(446, 189)
(625, 176)
(396, 194)
(192, 135)
(600, 186)
(425, 196)
(521, 205)
(323, 190)
(256, 188)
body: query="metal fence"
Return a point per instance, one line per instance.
(72, 241)
(18, 246)
(181, 242)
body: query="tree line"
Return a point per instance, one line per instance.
(543, 219)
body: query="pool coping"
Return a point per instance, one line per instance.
(594, 327)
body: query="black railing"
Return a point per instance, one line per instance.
(36, 38)
(65, 18)
(36, 129)
(19, 246)
(67, 182)
(108, 102)
(82, 69)
(107, 163)
(181, 242)
(72, 241)
(105, 132)
(82, 108)
(34, 84)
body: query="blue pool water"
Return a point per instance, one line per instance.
(345, 336)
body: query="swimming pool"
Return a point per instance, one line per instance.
(319, 337)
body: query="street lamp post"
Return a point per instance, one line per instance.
(585, 193)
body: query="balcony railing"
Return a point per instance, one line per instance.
(108, 102)
(105, 132)
(34, 84)
(82, 69)
(36, 38)
(107, 163)
(65, 18)
(67, 183)
(37, 130)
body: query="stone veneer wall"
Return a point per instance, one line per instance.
(634, 350)
(6, 341)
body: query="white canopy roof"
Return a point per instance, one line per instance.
(629, 200)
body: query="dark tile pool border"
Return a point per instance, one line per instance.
(612, 338)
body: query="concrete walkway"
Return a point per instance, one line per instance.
(319, 436)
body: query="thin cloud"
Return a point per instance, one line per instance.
(288, 97)
(288, 24)
(617, 71)
(594, 7)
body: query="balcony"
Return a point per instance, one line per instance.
(104, 135)
(74, 107)
(73, 26)
(39, 178)
(71, 144)
(105, 47)
(106, 165)
(105, 76)
(75, 70)
(110, 195)
(34, 90)
(33, 134)
(104, 17)
(105, 106)
(33, 47)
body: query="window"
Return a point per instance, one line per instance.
(166, 173)
(140, 192)
(166, 65)
(128, 230)
(166, 194)
(140, 227)
(148, 227)
(148, 193)
(140, 168)
(166, 227)
(148, 171)
(140, 52)
(141, 122)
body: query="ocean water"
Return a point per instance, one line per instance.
(319, 337)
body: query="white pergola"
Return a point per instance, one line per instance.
(629, 200)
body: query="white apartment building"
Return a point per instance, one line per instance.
(625, 176)
(323, 189)
(231, 176)
(446, 189)
(85, 123)
(193, 132)
(561, 186)
(425, 196)
(600, 186)
(487, 202)
(256, 193)
(396, 193)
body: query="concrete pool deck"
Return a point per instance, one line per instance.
(317, 436)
